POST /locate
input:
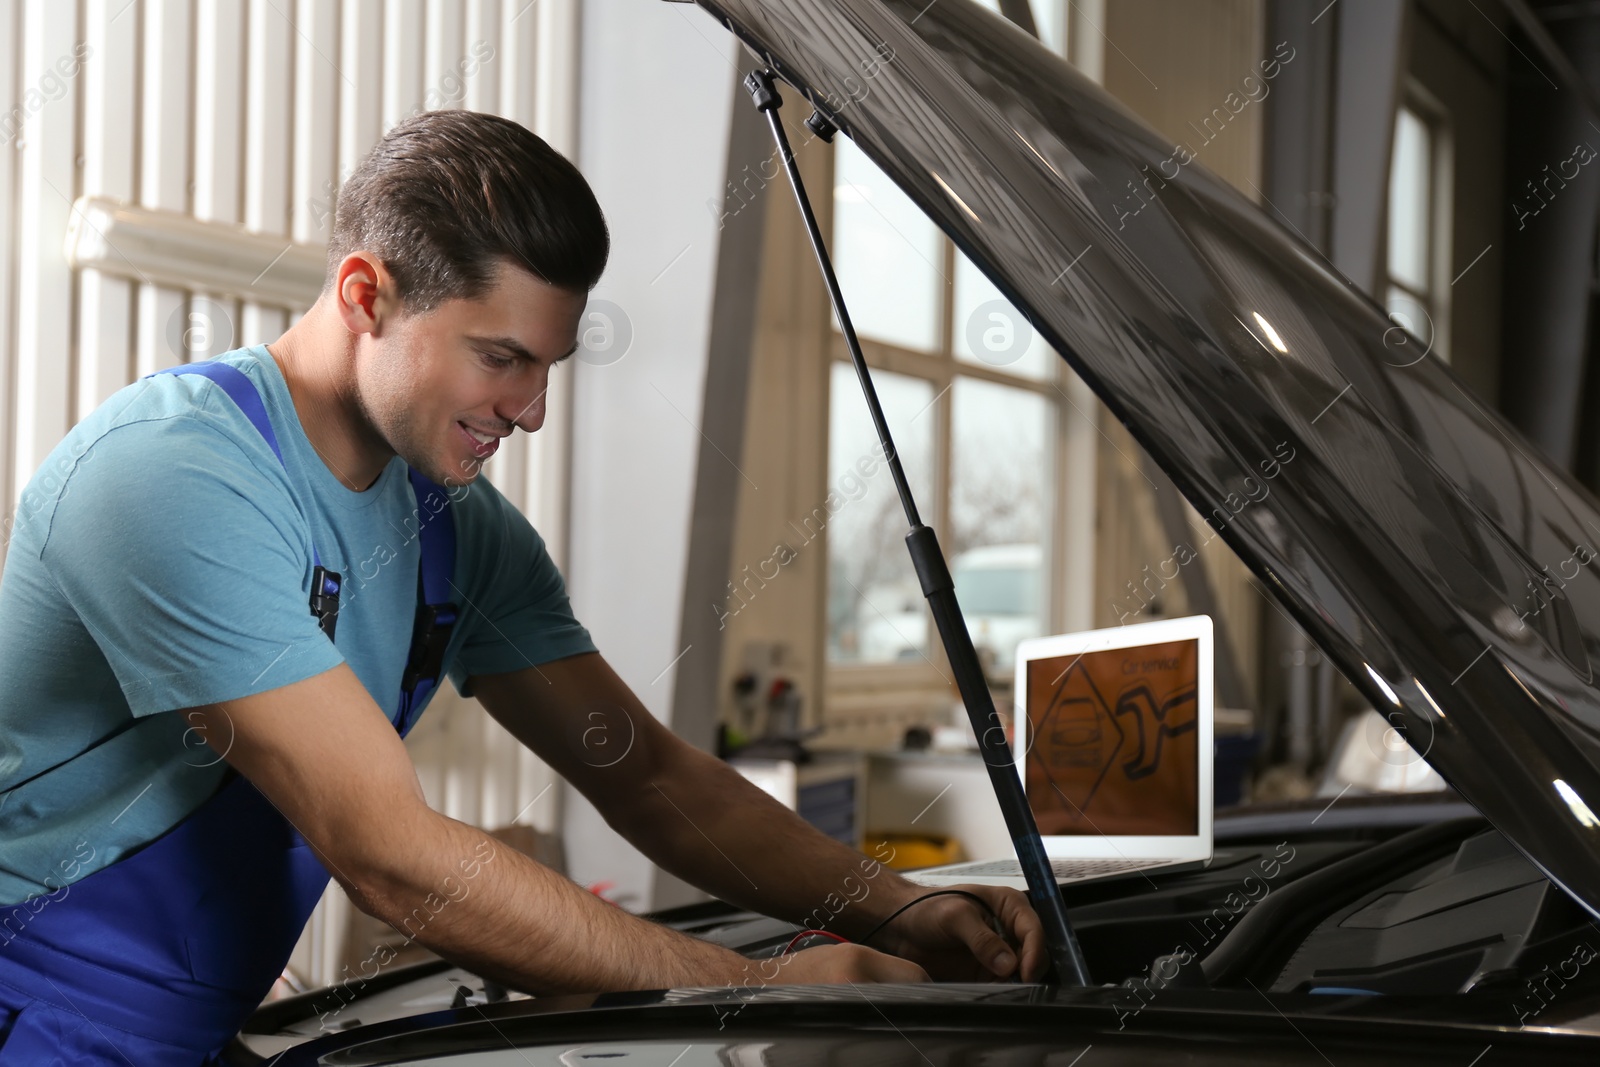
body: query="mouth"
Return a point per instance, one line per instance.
(483, 446)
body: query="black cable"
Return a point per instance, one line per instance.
(984, 904)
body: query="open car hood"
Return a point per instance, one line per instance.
(1415, 536)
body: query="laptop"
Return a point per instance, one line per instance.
(1113, 741)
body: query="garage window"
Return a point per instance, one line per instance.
(971, 393)
(1418, 226)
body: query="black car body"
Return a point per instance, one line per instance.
(1412, 533)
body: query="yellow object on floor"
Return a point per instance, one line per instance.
(911, 851)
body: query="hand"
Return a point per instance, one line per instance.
(951, 938)
(834, 964)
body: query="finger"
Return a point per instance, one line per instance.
(847, 963)
(1027, 930)
(1022, 928)
(990, 950)
(895, 969)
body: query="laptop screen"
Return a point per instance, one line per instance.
(1112, 741)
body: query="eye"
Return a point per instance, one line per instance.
(496, 362)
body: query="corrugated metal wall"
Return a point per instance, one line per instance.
(250, 111)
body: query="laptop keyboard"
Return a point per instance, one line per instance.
(1063, 869)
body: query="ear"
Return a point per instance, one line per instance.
(364, 293)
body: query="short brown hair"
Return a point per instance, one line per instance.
(446, 195)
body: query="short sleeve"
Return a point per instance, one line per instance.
(188, 565)
(517, 613)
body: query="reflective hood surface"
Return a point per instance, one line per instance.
(1448, 571)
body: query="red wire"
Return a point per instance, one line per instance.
(803, 934)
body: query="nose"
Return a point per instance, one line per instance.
(525, 406)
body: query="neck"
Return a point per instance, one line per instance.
(317, 359)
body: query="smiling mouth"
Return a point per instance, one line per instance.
(483, 446)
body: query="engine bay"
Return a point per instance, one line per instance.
(1442, 908)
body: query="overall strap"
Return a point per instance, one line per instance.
(436, 612)
(325, 584)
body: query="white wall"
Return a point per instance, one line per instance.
(657, 83)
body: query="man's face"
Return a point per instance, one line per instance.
(481, 364)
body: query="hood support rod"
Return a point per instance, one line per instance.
(939, 590)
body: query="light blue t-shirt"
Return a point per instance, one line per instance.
(161, 559)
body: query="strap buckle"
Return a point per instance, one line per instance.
(325, 586)
(429, 637)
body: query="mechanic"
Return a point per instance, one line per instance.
(233, 586)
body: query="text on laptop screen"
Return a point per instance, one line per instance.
(1113, 741)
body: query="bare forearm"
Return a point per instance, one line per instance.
(486, 906)
(702, 821)
(689, 812)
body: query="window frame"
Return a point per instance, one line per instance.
(927, 683)
(1435, 301)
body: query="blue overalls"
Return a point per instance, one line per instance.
(158, 959)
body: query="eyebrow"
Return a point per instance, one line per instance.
(512, 345)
